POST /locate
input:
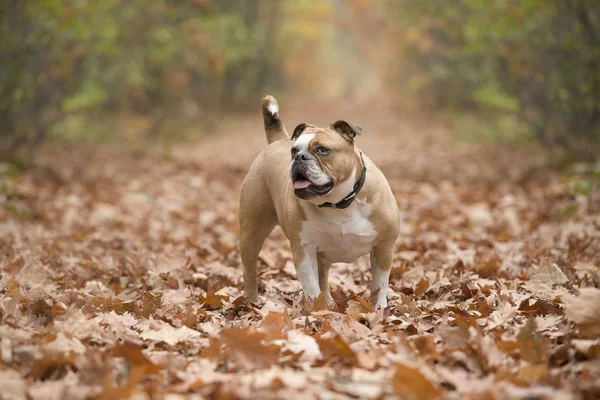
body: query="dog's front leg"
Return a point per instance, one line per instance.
(381, 265)
(305, 260)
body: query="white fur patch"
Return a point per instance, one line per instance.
(380, 281)
(273, 108)
(303, 141)
(339, 235)
(308, 272)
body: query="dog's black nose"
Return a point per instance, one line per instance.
(302, 156)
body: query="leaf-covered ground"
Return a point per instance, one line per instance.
(120, 277)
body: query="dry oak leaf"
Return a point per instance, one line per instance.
(275, 325)
(161, 331)
(299, 343)
(588, 348)
(412, 278)
(248, 349)
(410, 383)
(584, 310)
(140, 368)
(533, 346)
(336, 347)
(13, 386)
(68, 387)
(62, 344)
(587, 271)
(548, 274)
(134, 356)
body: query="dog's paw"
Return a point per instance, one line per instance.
(251, 298)
(380, 303)
(329, 302)
(378, 298)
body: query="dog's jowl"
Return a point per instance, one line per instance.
(331, 201)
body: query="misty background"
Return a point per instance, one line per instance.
(130, 71)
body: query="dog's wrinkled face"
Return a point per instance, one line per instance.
(322, 158)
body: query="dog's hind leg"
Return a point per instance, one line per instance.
(257, 220)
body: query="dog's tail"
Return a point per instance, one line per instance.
(273, 126)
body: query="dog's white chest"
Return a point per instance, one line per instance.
(340, 235)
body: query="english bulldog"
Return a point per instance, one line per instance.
(331, 201)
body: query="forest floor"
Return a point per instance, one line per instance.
(120, 276)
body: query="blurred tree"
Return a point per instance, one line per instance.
(64, 60)
(537, 59)
(42, 62)
(70, 64)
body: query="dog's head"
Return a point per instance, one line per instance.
(322, 158)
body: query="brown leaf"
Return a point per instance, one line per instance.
(533, 373)
(534, 347)
(410, 383)
(355, 309)
(426, 347)
(213, 350)
(16, 296)
(365, 304)
(133, 355)
(334, 348)
(248, 349)
(412, 278)
(422, 286)
(52, 366)
(588, 348)
(275, 325)
(584, 310)
(141, 367)
(268, 256)
(411, 304)
(488, 268)
(548, 274)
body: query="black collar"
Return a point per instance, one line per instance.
(346, 201)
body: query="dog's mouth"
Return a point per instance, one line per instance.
(304, 188)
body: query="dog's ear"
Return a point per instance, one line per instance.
(346, 129)
(298, 131)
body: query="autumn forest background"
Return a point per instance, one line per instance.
(75, 69)
(126, 128)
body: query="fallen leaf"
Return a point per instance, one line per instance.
(534, 347)
(334, 348)
(163, 332)
(410, 383)
(300, 343)
(13, 385)
(248, 349)
(584, 310)
(275, 325)
(549, 274)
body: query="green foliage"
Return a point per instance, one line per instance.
(535, 59)
(529, 67)
(66, 60)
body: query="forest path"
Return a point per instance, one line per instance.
(104, 247)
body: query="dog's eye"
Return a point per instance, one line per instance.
(294, 152)
(323, 151)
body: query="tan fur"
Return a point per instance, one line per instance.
(267, 199)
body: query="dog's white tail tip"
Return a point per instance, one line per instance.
(273, 108)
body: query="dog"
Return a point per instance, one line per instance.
(331, 201)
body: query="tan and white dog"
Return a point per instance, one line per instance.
(331, 201)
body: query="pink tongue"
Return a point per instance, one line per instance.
(301, 184)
